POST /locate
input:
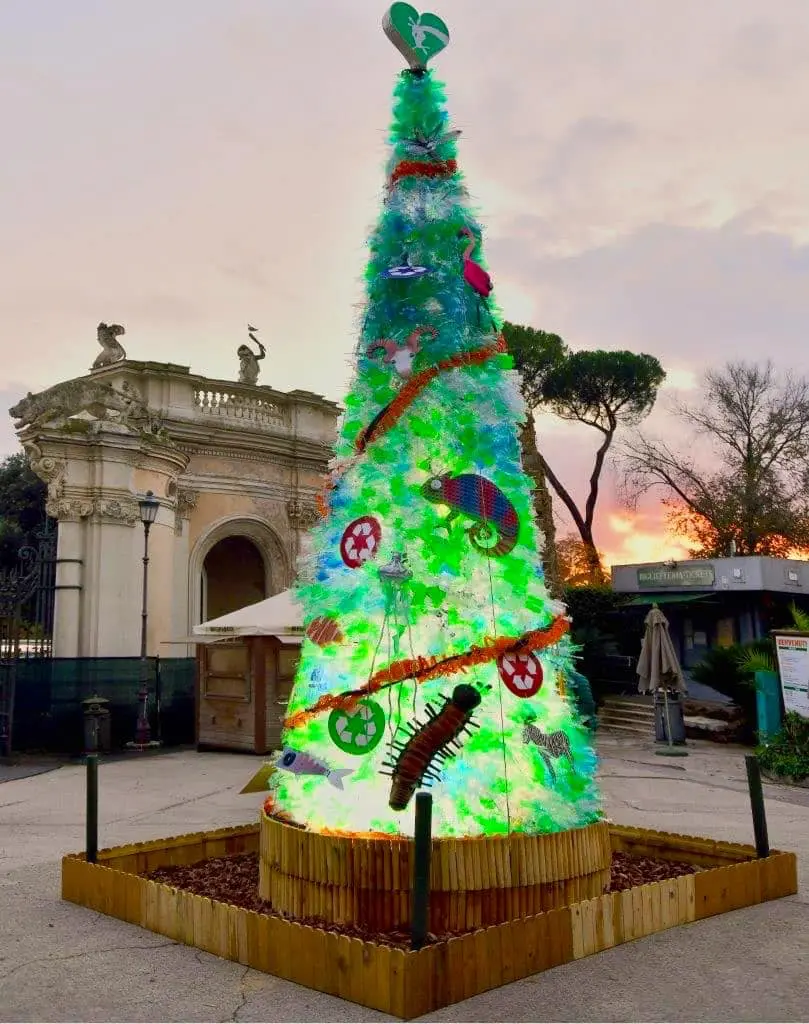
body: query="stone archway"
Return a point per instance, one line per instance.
(244, 561)
(233, 575)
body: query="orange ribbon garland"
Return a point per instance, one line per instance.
(421, 668)
(413, 388)
(394, 411)
(422, 169)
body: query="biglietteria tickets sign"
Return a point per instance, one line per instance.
(793, 667)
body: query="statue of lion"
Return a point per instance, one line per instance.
(56, 404)
(114, 352)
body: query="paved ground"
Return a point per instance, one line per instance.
(25, 767)
(59, 962)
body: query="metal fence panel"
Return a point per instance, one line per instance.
(48, 712)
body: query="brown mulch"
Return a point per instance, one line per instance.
(628, 871)
(234, 880)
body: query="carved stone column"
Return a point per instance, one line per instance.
(96, 570)
(302, 515)
(185, 503)
(96, 472)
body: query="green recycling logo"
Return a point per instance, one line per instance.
(357, 731)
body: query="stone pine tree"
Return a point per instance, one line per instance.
(433, 653)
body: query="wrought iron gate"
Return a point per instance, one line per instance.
(26, 620)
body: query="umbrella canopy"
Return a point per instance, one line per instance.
(658, 665)
(280, 616)
(276, 615)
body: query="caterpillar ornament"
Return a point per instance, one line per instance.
(431, 744)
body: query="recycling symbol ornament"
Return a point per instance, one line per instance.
(522, 673)
(360, 541)
(357, 731)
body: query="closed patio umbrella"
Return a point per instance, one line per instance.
(658, 665)
(659, 668)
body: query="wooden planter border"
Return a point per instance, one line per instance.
(474, 883)
(407, 984)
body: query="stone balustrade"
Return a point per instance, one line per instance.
(238, 402)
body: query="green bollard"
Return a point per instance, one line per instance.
(420, 906)
(757, 805)
(91, 845)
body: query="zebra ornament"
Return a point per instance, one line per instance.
(550, 744)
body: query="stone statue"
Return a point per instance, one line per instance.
(249, 360)
(108, 335)
(55, 405)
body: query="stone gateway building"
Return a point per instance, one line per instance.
(236, 469)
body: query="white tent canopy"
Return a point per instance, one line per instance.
(280, 616)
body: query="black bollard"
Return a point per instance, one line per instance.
(91, 845)
(757, 805)
(420, 905)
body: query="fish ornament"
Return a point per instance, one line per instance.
(304, 764)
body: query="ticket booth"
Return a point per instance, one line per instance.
(246, 663)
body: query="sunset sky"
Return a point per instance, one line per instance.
(186, 166)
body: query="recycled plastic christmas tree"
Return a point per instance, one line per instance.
(433, 653)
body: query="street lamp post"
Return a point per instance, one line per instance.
(148, 507)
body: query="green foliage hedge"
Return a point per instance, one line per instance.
(788, 754)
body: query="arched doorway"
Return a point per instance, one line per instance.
(233, 575)
(258, 543)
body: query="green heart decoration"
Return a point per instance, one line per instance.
(418, 37)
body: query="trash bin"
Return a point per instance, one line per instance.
(768, 705)
(97, 725)
(675, 717)
(582, 695)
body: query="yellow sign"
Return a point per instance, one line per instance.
(258, 784)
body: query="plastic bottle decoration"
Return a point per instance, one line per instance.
(394, 575)
(469, 606)
(424, 146)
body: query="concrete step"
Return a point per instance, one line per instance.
(627, 710)
(618, 713)
(640, 714)
(636, 720)
(626, 730)
(635, 703)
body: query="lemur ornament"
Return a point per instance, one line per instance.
(401, 353)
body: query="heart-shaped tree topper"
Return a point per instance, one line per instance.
(418, 37)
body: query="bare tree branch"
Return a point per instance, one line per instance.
(755, 427)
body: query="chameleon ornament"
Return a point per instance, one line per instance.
(496, 525)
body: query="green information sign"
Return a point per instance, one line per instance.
(696, 576)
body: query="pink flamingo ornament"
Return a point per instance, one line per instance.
(473, 273)
(402, 354)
